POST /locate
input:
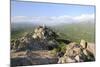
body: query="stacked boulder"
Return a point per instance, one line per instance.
(43, 32)
(77, 53)
(39, 33)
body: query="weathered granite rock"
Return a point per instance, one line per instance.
(42, 38)
(77, 53)
(83, 43)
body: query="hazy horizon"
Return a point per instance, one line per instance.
(47, 13)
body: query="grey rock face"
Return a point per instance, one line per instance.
(42, 38)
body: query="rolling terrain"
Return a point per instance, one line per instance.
(70, 31)
(63, 43)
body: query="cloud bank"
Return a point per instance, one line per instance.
(53, 19)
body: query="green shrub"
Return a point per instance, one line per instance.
(60, 48)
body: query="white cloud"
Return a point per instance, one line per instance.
(53, 19)
(85, 17)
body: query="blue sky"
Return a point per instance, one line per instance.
(26, 11)
(43, 9)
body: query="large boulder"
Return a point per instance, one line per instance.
(39, 33)
(88, 47)
(77, 53)
(43, 32)
(83, 43)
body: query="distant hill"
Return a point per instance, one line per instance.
(17, 29)
(22, 25)
(77, 31)
(71, 31)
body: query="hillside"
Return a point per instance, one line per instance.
(72, 31)
(46, 45)
(77, 31)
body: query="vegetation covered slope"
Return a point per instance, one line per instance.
(73, 31)
(77, 31)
